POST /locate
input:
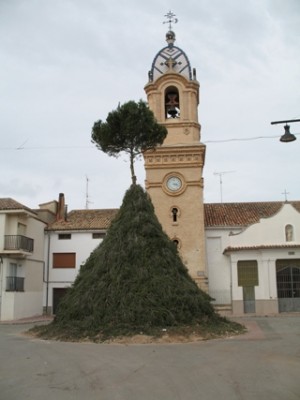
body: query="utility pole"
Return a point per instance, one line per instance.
(220, 174)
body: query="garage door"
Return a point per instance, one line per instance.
(288, 287)
(58, 293)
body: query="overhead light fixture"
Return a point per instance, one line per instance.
(287, 136)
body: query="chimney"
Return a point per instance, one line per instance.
(61, 215)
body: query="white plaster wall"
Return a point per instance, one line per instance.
(270, 230)
(11, 224)
(21, 305)
(218, 271)
(15, 305)
(218, 265)
(8, 306)
(35, 230)
(28, 304)
(2, 230)
(81, 243)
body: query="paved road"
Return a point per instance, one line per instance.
(263, 364)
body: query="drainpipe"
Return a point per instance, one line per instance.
(47, 274)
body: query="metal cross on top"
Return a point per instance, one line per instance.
(171, 18)
(285, 194)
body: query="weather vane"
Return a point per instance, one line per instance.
(171, 18)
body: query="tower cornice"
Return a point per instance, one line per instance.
(168, 78)
(181, 156)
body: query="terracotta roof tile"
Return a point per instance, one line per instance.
(11, 204)
(262, 247)
(241, 214)
(216, 215)
(85, 220)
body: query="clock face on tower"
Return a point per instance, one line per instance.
(174, 183)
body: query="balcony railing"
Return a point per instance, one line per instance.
(18, 242)
(14, 284)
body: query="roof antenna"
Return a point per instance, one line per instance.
(87, 201)
(221, 181)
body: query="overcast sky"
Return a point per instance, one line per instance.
(66, 63)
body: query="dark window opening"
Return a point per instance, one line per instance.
(64, 236)
(98, 235)
(174, 214)
(172, 106)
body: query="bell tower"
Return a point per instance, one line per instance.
(174, 169)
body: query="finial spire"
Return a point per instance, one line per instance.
(170, 19)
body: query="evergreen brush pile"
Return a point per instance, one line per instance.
(133, 282)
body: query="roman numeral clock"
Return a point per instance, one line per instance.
(174, 169)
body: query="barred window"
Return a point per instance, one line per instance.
(247, 273)
(64, 236)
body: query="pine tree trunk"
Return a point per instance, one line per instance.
(133, 177)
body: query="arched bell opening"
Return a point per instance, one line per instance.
(172, 103)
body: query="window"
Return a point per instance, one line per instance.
(21, 229)
(64, 236)
(14, 283)
(174, 214)
(98, 235)
(64, 260)
(172, 108)
(177, 242)
(247, 273)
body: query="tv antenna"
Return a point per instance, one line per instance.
(220, 174)
(87, 200)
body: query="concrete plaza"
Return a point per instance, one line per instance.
(261, 364)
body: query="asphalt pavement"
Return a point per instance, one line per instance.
(261, 364)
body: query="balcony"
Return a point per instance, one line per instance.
(18, 243)
(14, 284)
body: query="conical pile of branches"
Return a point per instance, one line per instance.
(133, 281)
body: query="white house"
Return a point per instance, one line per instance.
(21, 261)
(253, 256)
(69, 241)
